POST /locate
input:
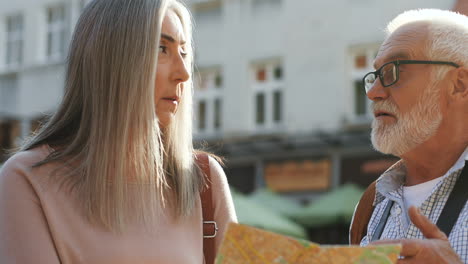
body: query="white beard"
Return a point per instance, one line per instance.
(410, 129)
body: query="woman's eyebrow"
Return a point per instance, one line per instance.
(171, 39)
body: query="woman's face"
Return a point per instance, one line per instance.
(173, 69)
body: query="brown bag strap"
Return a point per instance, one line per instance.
(362, 216)
(209, 224)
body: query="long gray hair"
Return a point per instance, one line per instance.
(107, 127)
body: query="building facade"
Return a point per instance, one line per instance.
(278, 83)
(34, 38)
(279, 90)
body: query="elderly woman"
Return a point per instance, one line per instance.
(112, 177)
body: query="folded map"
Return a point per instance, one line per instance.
(247, 245)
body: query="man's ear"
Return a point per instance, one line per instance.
(461, 82)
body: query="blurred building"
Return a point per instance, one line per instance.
(278, 83)
(34, 38)
(279, 90)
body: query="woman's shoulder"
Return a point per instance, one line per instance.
(27, 158)
(212, 158)
(216, 165)
(218, 177)
(21, 164)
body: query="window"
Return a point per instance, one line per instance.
(360, 102)
(56, 32)
(277, 106)
(8, 94)
(202, 115)
(208, 91)
(14, 40)
(260, 104)
(267, 84)
(361, 63)
(217, 113)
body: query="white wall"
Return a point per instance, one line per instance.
(39, 83)
(40, 90)
(312, 37)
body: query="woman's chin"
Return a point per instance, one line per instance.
(165, 119)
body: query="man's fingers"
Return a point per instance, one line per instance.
(410, 247)
(385, 242)
(428, 229)
(405, 261)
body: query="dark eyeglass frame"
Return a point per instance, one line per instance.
(397, 63)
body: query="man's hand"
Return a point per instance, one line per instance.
(435, 249)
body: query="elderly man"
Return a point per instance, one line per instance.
(420, 103)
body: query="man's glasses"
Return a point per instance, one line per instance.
(389, 73)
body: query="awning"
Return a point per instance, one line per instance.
(250, 212)
(334, 207)
(275, 202)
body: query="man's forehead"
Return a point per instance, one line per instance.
(407, 42)
(393, 54)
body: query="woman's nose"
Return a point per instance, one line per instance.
(181, 71)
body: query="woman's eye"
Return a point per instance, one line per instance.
(163, 49)
(183, 54)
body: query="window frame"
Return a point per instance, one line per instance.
(211, 94)
(269, 87)
(14, 41)
(356, 75)
(55, 47)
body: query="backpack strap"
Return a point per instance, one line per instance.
(451, 211)
(455, 203)
(383, 221)
(210, 227)
(362, 215)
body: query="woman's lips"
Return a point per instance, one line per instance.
(173, 100)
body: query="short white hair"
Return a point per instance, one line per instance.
(448, 35)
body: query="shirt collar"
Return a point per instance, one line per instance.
(459, 164)
(393, 178)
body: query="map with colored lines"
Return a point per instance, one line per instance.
(248, 245)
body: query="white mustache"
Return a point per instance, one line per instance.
(385, 106)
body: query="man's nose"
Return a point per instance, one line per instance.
(377, 92)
